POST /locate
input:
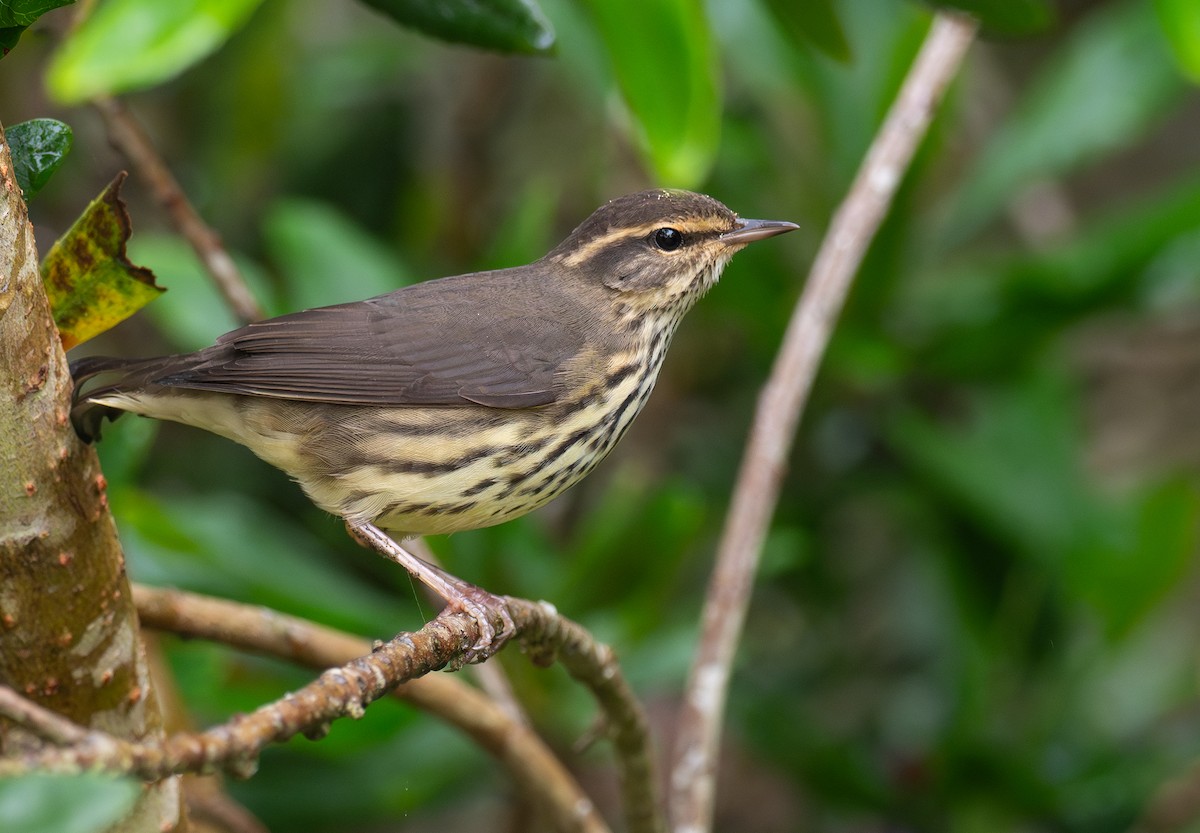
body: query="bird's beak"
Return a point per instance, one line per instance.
(750, 230)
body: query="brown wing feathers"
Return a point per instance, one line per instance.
(410, 347)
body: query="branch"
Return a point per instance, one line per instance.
(779, 407)
(128, 137)
(236, 745)
(595, 665)
(346, 690)
(533, 767)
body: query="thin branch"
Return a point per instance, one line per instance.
(209, 807)
(595, 665)
(39, 720)
(851, 230)
(131, 140)
(532, 765)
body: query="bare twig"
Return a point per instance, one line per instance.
(595, 665)
(209, 806)
(757, 491)
(131, 140)
(39, 720)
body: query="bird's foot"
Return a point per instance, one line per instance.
(487, 610)
(484, 608)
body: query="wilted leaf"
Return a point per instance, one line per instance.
(815, 22)
(130, 44)
(506, 25)
(91, 284)
(38, 148)
(662, 54)
(1180, 21)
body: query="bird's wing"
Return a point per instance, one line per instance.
(447, 342)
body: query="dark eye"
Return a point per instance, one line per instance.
(668, 239)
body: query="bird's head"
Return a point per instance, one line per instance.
(659, 249)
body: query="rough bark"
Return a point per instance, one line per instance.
(68, 628)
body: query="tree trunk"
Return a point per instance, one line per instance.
(68, 630)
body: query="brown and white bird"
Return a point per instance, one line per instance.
(456, 403)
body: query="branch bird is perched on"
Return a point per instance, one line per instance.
(457, 403)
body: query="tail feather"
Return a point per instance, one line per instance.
(86, 416)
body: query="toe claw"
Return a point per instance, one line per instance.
(484, 608)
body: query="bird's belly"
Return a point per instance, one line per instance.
(415, 470)
(465, 468)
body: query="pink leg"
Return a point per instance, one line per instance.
(460, 596)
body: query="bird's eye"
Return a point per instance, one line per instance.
(668, 239)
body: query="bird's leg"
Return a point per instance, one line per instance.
(460, 596)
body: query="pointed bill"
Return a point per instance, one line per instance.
(750, 230)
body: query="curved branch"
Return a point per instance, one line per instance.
(128, 137)
(779, 407)
(532, 765)
(347, 689)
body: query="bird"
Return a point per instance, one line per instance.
(455, 403)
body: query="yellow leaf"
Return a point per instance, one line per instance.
(91, 283)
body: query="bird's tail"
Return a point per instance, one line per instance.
(87, 415)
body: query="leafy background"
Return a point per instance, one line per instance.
(977, 606)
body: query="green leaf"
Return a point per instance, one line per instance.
(131, 44)
(38, 148)
(1106, 86)
(14, 13)
(992, 314)
(1015, 469)
(91, 283)
(662, 54)
(17, 15)
(64, 804)
(9, 35)
(224, 545)
(1006, 17)
(1013, 466)
(193, 314)
(1180, 21)
(1148, 548)
(814, 22)
(506, 25)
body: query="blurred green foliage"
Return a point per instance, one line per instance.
(58, 804)
(976, 609)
